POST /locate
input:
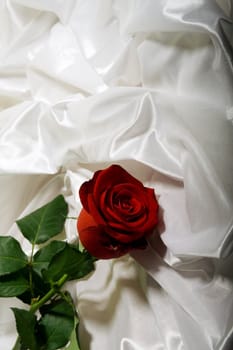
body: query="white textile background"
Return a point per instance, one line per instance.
(146, 84)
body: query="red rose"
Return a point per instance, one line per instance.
(118, 213)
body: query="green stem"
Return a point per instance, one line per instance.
(30, 270)
(35, 306)
(17, 345)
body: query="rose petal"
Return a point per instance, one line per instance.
(95, 212)
(125, 236)
(110, 177)
(87, 188)
(95, 240)
(153, 208)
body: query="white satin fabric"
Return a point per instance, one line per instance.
(146, 84)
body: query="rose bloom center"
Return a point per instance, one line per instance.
(125, 203)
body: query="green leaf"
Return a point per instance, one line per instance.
(56, 325)
(39, 287)
(46, 222)
(12, 258)
(69, 261)
(44, 256)
(13, 285)
(74, 342)
(26, 326)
